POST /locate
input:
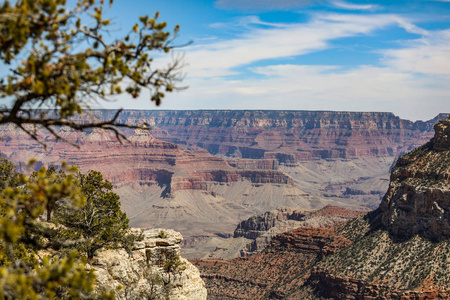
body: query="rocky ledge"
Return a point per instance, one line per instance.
(154, 269)
(399, 251)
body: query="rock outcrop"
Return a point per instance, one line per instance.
(274, 273)
(262, 228)
(418, 199)
(153, 270)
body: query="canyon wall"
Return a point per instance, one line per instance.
(288, 136)
(162, 184)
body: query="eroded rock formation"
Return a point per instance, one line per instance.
(162, 184)
(262, 228)
(153, 270)
(274, 273)
(418, 199)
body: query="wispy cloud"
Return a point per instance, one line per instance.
(220, 58)
(246, 22)
(364, 88)
(428, 55)
(263, 4)
(267, 5)
(351, 6)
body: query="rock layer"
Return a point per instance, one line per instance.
(262, 228)
(288, 136)
(274, 273)
(162, 184)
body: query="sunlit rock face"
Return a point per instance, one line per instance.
(153, 270)
(418, 199)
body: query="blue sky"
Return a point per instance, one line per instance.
(305, 54)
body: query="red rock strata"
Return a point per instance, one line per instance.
(144, 159)
(288, 136)
(287, 270)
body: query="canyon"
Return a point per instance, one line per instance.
(204, 172)
(398, 251)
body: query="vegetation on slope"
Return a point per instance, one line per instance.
(46, 259)
(376, 257)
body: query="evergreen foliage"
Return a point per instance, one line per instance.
(61, 58)
(23, 273)
(58, 59)
(99, 223)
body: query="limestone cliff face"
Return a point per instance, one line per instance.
(418, 199)
(153, 270)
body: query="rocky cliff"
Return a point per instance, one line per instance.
(418, 199)
(273, 273)
(262, 228)
(343, 158)
(143, 159)
(288, 136)
(184, 187)
(153, 270)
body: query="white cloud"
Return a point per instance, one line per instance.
(219, 58)
(365, 88)
(428, 55)
(351, 6)
(262, 4)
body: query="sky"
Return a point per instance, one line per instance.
(340, 55)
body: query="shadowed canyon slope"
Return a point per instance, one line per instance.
(399, 251)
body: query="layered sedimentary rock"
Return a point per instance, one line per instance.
(255, 234)
(351, 261)
(143, 159)
(273, 273)
(418, 199)
(153, 270)
(162, 184)
(339, 158)
(325, 152)
(288, 136)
